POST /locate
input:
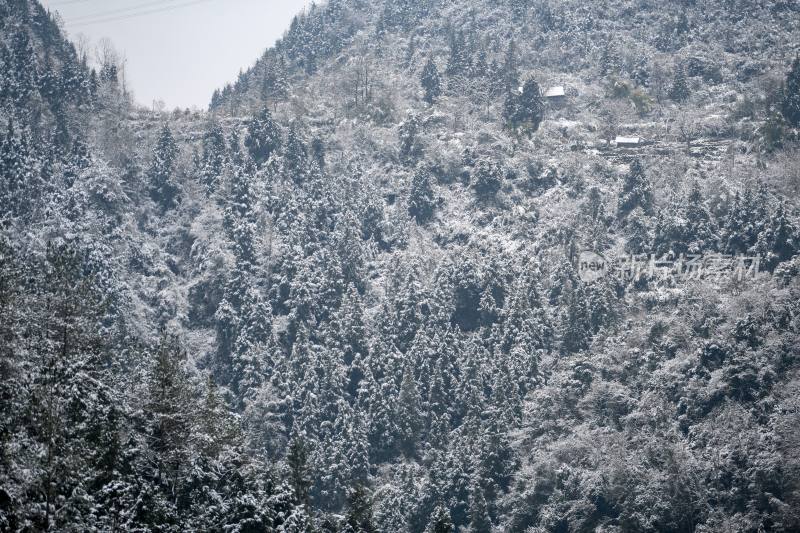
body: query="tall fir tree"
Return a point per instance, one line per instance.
(636, 191)
(421, 199)
(431, 84)
(163, 185)
(790, 107)
(263, 137)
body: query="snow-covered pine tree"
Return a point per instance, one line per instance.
(429, 79)
(636, 191)
(164, 187)
(790, 107)
(421, 199)
(263, 136)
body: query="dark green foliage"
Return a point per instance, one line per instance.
(790, 107)
(510, 69)
(487, 179)
(429, 79)
(263, 137)
(636, 191)
(440, 521)
(685, 226)
(410, 147)
(407, 415)
(163, 184)
(19, 179)
(421, 199)
(214, 157)
(459, 60)
(299, 475)
(359, 511)
(524, 110)
(679, 91)
(479, 520)
(295, 154)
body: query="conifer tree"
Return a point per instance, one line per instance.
(636, 191)
(458, 62)
(163, 185)
(240, 213)
(637, 230)
(510, 69)
(790, 107)
(212, 163)
(421, 200)
(295, 154)
(779, 241)
(440, 521)
(263, 137)
(169, 419)
(576, 322)
(524, 111)
(430, 81)
(680, 88)
(700, 226)
(409, 407)
(359, 511)
(488, 179)
(299, 474)
(479, 520)
(410, 148)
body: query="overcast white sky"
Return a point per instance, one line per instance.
(180, 50)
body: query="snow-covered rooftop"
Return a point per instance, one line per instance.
(554, 92)
(627, 140)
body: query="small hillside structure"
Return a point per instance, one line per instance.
(627, 142)
(555, 92)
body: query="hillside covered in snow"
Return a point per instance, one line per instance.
(425, 266)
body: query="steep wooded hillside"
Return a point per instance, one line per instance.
(353, 296)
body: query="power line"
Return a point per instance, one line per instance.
(133, 15)
(67, 2)
(115, 12)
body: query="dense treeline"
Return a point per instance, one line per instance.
(332, 316)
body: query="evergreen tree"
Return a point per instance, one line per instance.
(167, 409)
(790, 107)
(479, 520)
(295, 154)
(409, 407)
(421, 199)
(510, 69)
(779, 241)
(263, 137)
(459, 60)
(410, 148)
(576, 322)
(359, 511)
(680, 87)
(299, 473)
(685, 226)
(488, 179)
(440, 521)
(637, 230)
(212, 163)
(700, 226)
(524, 111)
(430, 81)
(636, 191)
(21, 174)
(163, 185)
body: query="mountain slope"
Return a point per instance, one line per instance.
(352, 296)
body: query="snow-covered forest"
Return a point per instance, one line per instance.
(352, 296)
